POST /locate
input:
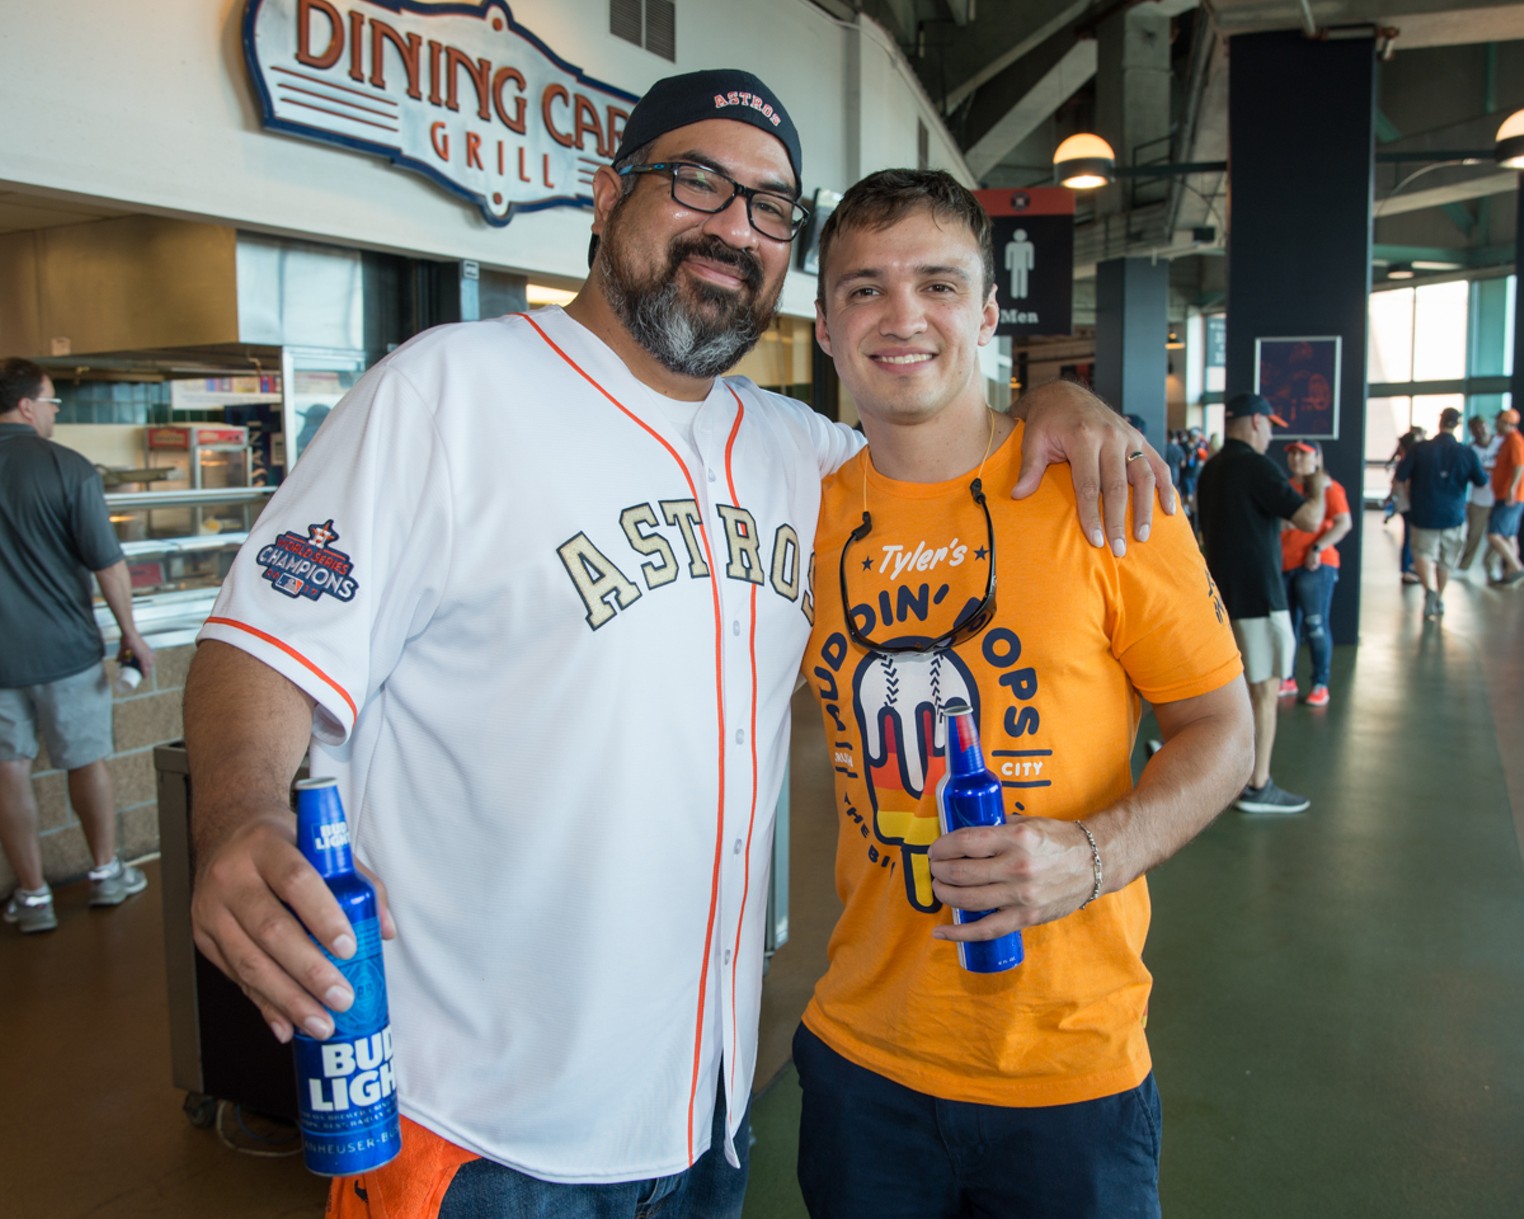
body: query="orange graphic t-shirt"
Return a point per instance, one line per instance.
(1055, 682)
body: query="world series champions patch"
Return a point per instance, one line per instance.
(309, 566)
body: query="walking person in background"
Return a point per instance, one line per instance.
(1436, 474)
(1310, 568)
(1479, 507)
(54, 534)
(1397, 502)
(1508, 490)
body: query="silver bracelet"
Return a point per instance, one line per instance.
(1095, 863)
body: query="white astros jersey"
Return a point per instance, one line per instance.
(552, 638)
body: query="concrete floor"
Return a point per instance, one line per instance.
(1337, 1007)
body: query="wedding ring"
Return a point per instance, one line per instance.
(1135, 456)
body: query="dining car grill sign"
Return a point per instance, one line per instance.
(459, 93)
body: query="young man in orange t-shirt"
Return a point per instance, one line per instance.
(1310, 568)
(930, 1091)
(1508, 498)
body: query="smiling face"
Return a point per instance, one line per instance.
(903, 312)
(696, 290)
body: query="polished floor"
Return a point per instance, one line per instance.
(1338, 1015)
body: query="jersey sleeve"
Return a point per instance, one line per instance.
(835, 442)
(1171, 631)
(351, 555)
(1404, 470)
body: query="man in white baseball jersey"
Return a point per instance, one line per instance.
(538, 594)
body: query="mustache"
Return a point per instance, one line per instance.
(746, 264)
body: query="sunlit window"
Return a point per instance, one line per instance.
(1439, 331)
(1385, 420)
(1427, 407)
(1509, 323)
(1391, 336)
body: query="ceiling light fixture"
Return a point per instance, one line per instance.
(1509, 150)
(1084, 162)
(1400, 270)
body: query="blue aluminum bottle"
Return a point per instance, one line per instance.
(345, 1086)
(970, 795)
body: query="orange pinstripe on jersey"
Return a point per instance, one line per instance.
(295, 655)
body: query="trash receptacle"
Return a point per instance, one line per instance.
(220, 1046)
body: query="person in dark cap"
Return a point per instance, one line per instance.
(536, 597)
(1241, 499)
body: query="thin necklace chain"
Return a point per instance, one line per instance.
(891, 674)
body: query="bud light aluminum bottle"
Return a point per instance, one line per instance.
(345, 1086)
(970, 795)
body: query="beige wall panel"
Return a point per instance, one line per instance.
(137, 282)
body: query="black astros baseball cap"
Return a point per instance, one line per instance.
(1243, 406)
(718, 93)
(1305, 446)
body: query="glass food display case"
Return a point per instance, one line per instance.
(179, 546)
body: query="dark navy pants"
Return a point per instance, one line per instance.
(871, 1149)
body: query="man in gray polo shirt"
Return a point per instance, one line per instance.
(54, 532)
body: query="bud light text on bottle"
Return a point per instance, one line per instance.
(346, 1086)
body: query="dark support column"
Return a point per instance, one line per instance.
(1131, 323)
(1301, 129)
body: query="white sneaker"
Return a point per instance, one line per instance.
(115, 883)
(31, 911)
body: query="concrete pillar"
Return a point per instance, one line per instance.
(1132, 96)
(1301, 129)
(1131, 323)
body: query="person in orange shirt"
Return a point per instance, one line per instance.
(931, 1091)
(1508, 492)
(1310, 567)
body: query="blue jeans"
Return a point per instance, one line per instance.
(711, 1189)
(1310, 595)
(871, 1149)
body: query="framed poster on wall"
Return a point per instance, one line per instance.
(1300, 378)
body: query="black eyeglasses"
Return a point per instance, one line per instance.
(967, 626)
(708, 190)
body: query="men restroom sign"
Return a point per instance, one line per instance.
(456, 92)
(1034, 258)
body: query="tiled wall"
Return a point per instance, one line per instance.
(148, 717)
(134, 402)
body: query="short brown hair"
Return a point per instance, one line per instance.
(19, 379)
(888, 196)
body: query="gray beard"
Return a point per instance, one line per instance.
(676, 334)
